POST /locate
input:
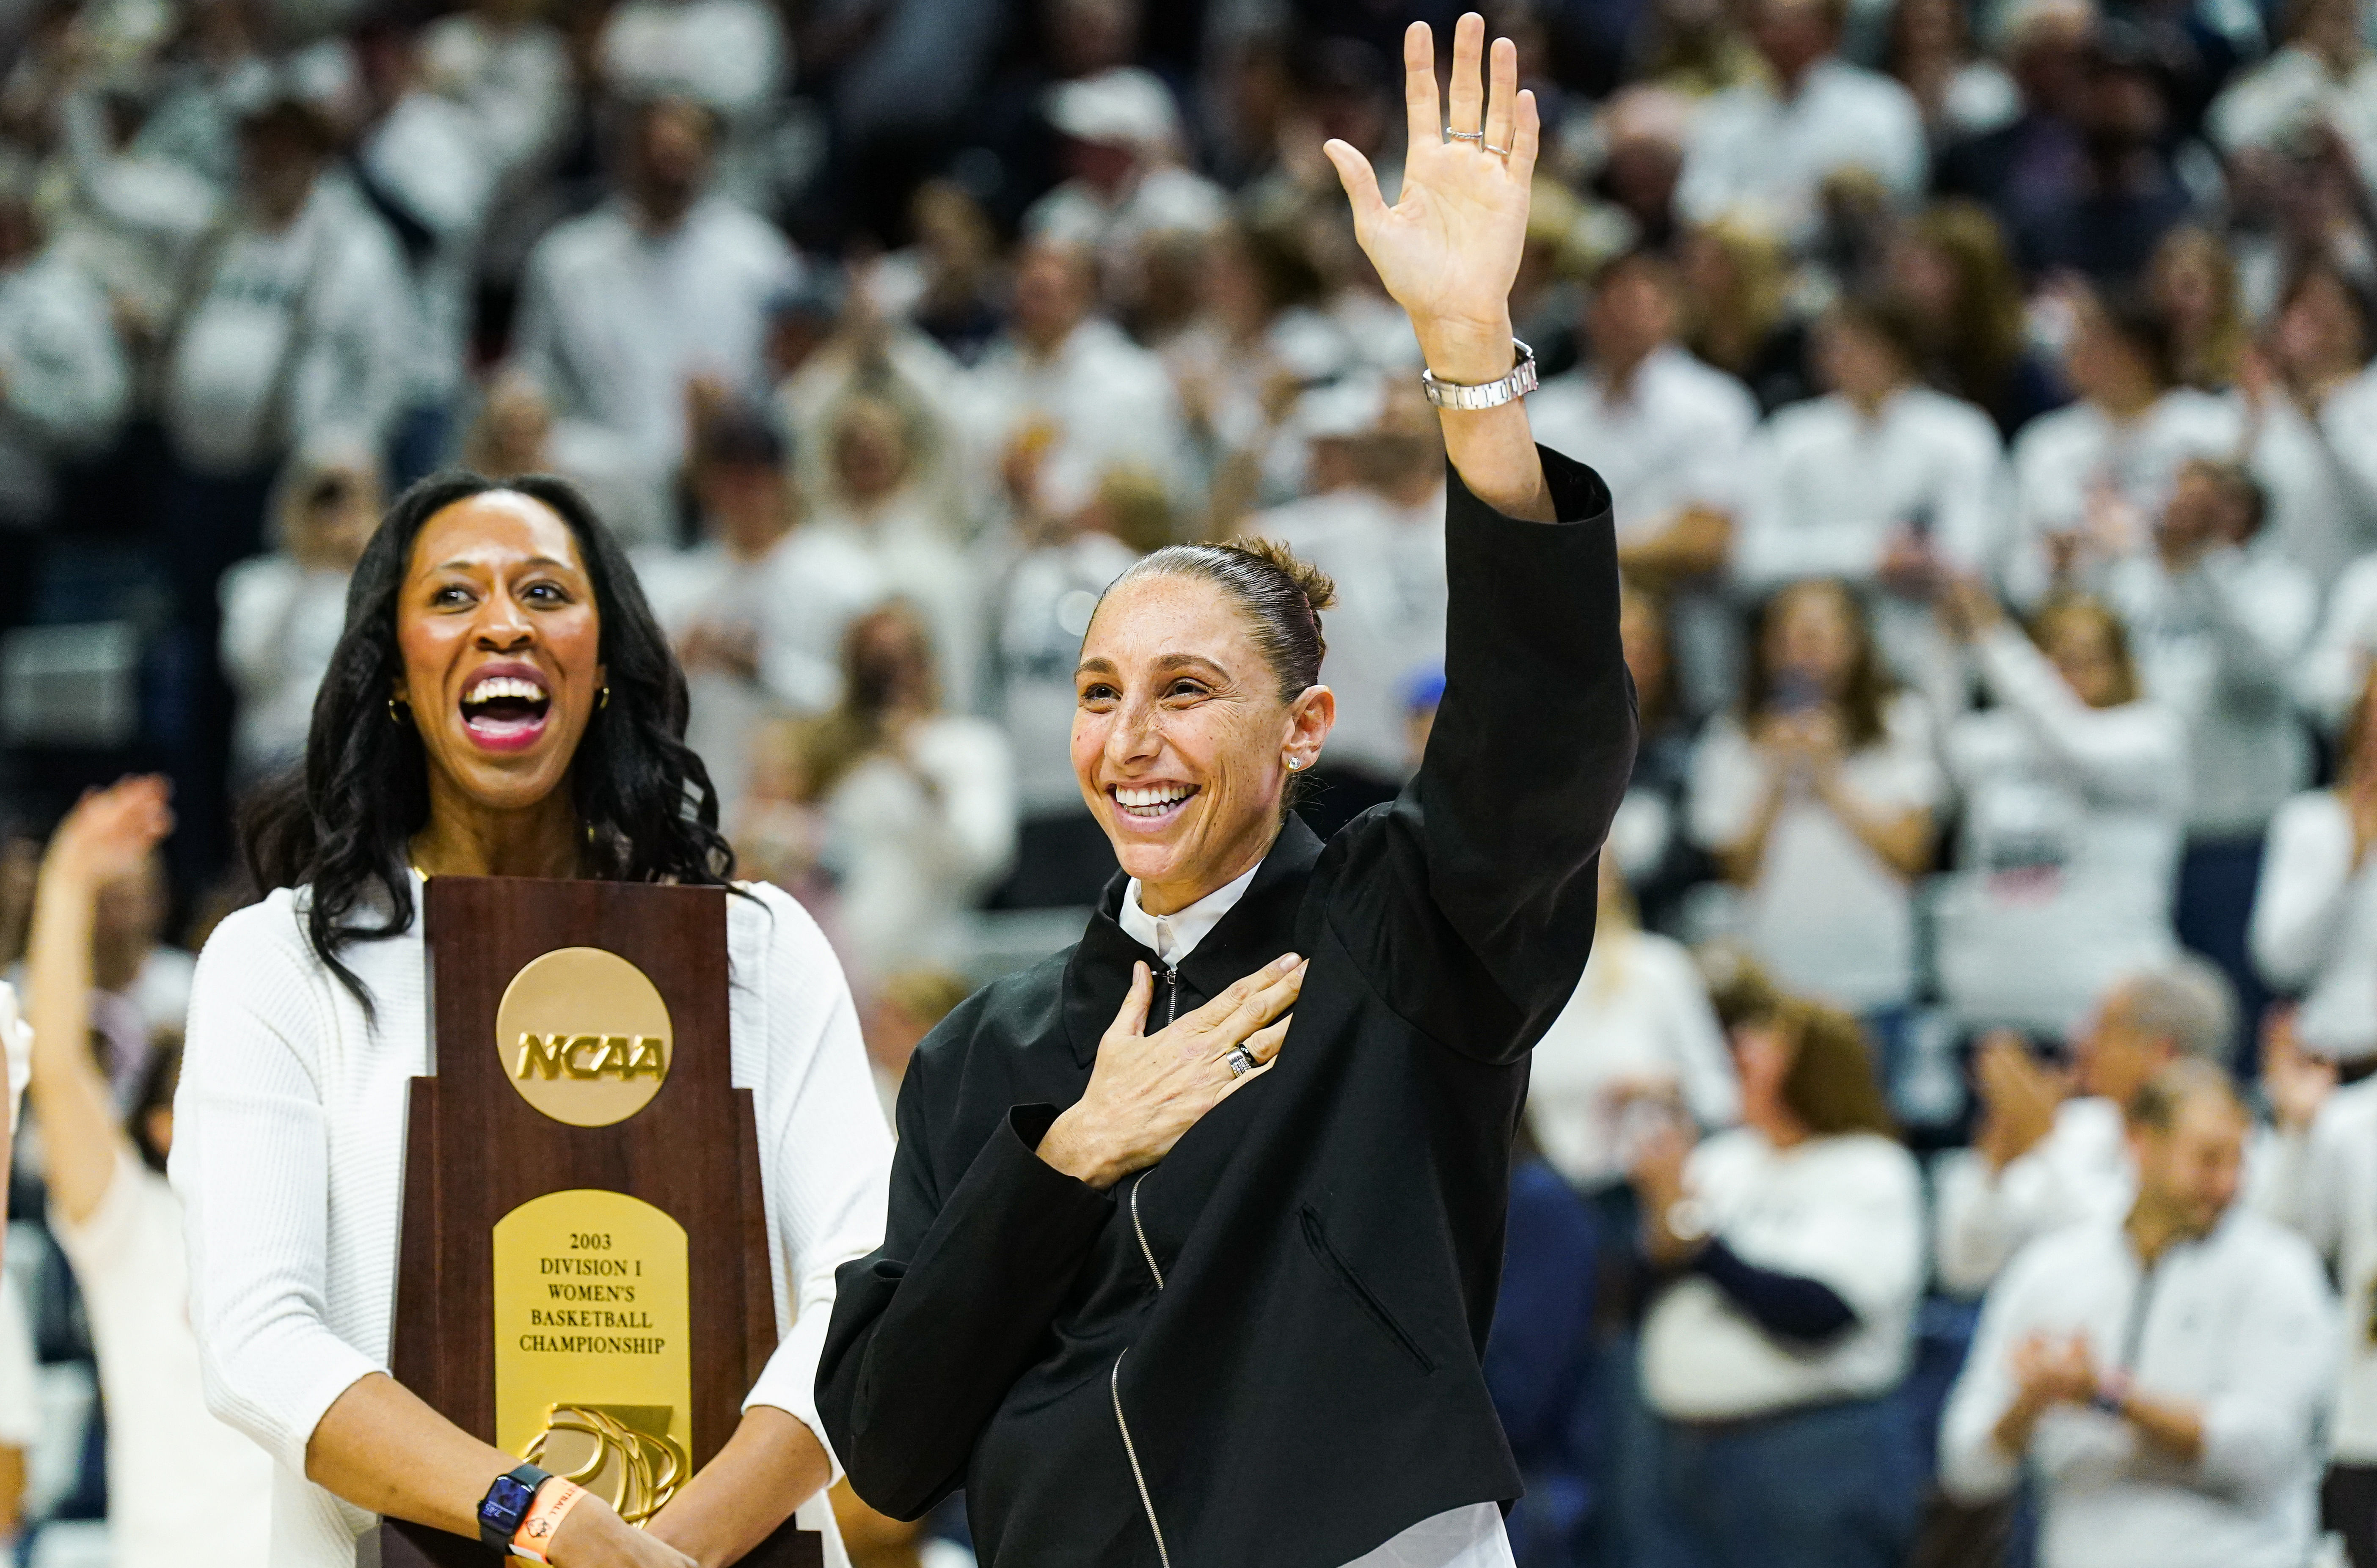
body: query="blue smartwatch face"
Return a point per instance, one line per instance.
(506, 1505)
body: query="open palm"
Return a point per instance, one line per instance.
(1448, 250)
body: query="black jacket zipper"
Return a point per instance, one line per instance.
(1114, 1386)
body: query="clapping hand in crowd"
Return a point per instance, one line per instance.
(1657, 1172)
(2020, 1096)
(1968, 607)
(2051, 1370)
(2296, 1083)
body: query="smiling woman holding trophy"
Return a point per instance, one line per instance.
(502, 707)
(1169, 1278)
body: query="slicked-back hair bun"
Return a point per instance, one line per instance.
(1281, 595)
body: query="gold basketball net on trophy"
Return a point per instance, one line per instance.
(622, 1454)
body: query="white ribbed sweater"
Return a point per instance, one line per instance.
(289, 1154)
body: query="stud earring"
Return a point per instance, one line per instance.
(603, 700)
(1294, 763)
(393, 715)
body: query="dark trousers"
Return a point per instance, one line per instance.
(2217, 879)
(2347, 1504)
(1829, 1487)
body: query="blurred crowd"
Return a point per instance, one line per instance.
(1960, 1139)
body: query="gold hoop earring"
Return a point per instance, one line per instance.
(393, 715)
(603, 700)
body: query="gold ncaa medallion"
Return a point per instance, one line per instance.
(584, 1037)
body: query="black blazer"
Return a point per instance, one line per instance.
(1303, 1382)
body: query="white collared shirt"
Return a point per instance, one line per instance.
(1470, 1536)
(1755, 153)
(2239, 1325)
(1174, 936)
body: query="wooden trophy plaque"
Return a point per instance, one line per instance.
(584, 1275)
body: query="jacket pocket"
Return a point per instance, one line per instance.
(1316, 1236)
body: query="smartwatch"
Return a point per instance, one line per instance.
(506, 1504)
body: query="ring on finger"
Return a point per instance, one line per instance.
(1477, 137)
(1490, 147)
(1241, 1061)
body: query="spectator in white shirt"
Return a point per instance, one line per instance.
(294, 328)
(1793, 1250)
(2314, 924)
(718, 606)
(510, 70)
(2216, 618)
(636, 311)
(918, 804)
(63, 384)
(1066, 388)
(1382, 542)
(1041, 611)
(1257, 342)
(1639, 1029)
(1817, 799)
(294, 331)
(183, 1487)
(875, 502)
(2335, 668)
(2047, 1152)
(1882, 483)
(1125, 185)
(2074, 790)
(730, 56)
(282, 612)
(1773, 148)
(2165, 1373)
(423, 165)
(2323, 81)
(1667, 435)
(2311, 422)
(2090, 478)
(2318, 1175)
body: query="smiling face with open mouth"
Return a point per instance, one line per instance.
(502, 646)
(1180, 736)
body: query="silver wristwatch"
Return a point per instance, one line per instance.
(1492, 394)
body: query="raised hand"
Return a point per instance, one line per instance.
(1448, 250)
(110, 833)
(1146, 1091)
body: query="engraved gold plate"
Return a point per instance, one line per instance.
(593, 1367)
(584, 1037)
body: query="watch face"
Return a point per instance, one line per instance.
(506, 1501)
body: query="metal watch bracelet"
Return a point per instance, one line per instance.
(1487, 395)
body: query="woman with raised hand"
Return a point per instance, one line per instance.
(1156, 1288)
(183, 1488)
(502, 702)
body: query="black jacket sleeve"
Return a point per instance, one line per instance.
(1789, 1306)
(930, 1332)
(1479, 908)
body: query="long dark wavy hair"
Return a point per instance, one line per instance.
(341, 825)
(1865, 696)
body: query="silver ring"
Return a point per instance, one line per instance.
(1503, 151)
(1477, 137)
(1241, 1061)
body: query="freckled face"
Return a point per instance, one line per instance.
(502, 646)
(1180, 737)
